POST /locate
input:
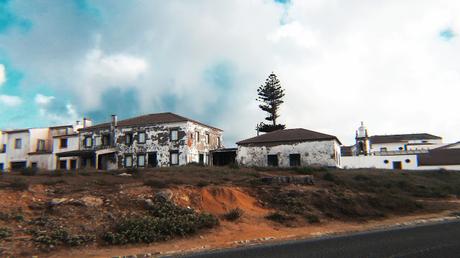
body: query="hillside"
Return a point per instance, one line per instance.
(102, 214)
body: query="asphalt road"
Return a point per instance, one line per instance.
(434, 240)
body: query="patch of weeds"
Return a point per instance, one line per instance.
(19, 184)
(54, 182)
(233, 214)
(58, 173)
(17, 216)
(330, 177)
(155, 183)
(312, 218)
(279, 217)
(136, 173)
(165, 221)
(304, 170)
(202, 184)
(234, 166)
(61, 236)
(361, 178)
(5, 232)
(28, 171)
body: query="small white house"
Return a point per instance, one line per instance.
(290, 148)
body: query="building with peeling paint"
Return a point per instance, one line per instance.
(290, 148)
(154, 140)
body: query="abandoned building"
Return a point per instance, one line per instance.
(154, 140)
(290, 148)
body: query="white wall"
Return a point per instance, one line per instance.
(72, 145)
(379, 161)
(14, 154)
(44, 161)
(321, 153)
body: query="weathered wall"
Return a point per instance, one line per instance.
(17, 154)
(44, 161)
(320, 153)
(72, 145)
(379, 161)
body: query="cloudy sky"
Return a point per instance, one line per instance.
(392, 64)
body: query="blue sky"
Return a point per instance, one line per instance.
(340, 63)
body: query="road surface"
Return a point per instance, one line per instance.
(433, 240)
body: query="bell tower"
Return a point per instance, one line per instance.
(362, 141)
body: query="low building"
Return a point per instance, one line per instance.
(162, 139)
(290, 148)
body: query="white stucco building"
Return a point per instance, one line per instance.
(290, 148)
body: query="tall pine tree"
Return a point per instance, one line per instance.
(271, 97)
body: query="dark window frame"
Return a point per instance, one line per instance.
(295, 160)
(145, 161)
(86, 141)
(171, 152)
(129, 136)
(18, 143)
(171, 134)
(139, 137)
(62, 161)
(124, 161)
(106, 136)
(63, 146)
(272, 162)
(41, 145)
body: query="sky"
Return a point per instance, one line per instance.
(392, 64)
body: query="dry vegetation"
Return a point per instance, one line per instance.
(46, 212)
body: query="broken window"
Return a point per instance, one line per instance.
(128, 138)
(18, 143)
(294, 160)
(40, 145)
(272, 160)
(63, 143)
(141, 160)
(141, 137)
(197, 136)
(174, 158)
(207, 138)
(88, 142)
(128, 161)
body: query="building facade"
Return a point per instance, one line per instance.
(290, 148)
(154, 140)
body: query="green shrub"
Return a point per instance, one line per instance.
(165, 221)
(155, 183)
(329, 177)
(5, 232)
(61, 236)
(19, 184)
(233, 214)
(312, 218)
(279, 217)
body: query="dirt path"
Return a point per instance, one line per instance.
(247, 231)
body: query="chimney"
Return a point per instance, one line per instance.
(84, 122)
(114, 121)
(77, 122)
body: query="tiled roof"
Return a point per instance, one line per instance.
(439, 157)
(150, 119)
(402, 137)
(288, 135)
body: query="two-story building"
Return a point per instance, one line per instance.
(161, 139)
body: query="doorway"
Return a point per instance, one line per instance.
(152, 159)
(397, 165)
(201, 159)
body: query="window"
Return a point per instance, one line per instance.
(141, 137)
(197, 136)
(63, 143)
(128, 138)
(385, 161)
(218, 141)
(73, 164)
(206, 137)
(63, 164)
(383, 149)
(294, 160)
(141, 160)
(18, 143)
(3, 149)
(40, 145)
(174, 135)
(174, 157)
(272, 160)
(88, 142)
(106, 140)
(407, 160)
(97, 141)
(400, 148)
(34, 165)
(2, 166)
(128, 161)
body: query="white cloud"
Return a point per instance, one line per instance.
(2, 74)
(10, 101)
(43, 100)
(340, 62)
